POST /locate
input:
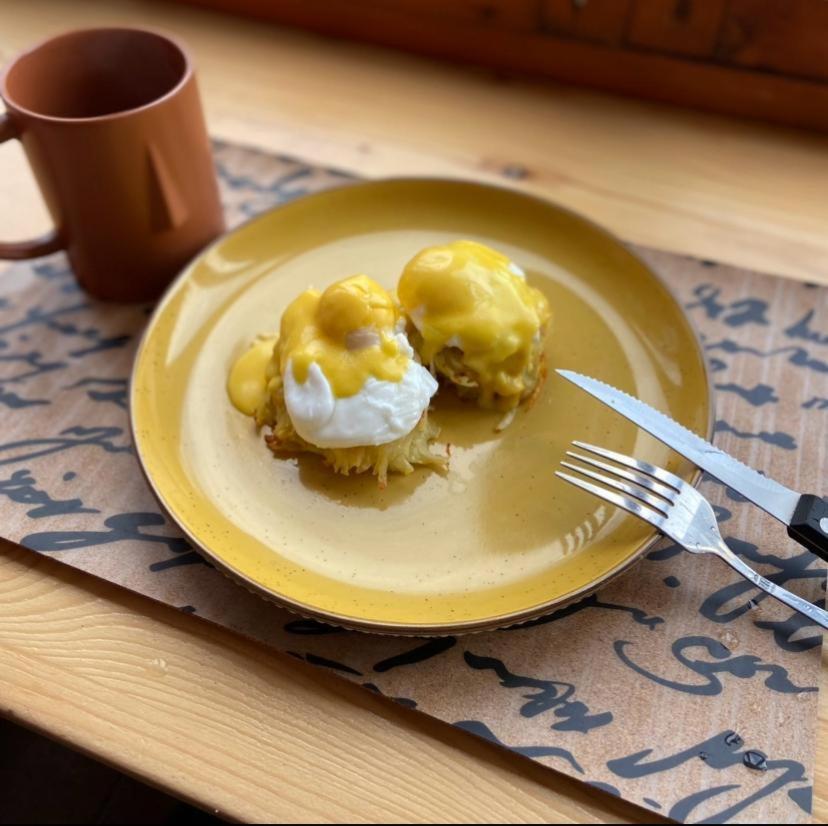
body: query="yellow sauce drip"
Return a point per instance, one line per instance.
(464, 294)
(348, 330)
(247, 383)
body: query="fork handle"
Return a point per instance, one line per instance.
(804, 607)
(809, 525)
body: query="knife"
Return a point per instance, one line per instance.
(806, 515)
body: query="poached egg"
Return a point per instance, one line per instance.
(467, 296)
(348, 372)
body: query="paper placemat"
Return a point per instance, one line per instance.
(678, 687)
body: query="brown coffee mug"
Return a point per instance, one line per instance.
(111, 123)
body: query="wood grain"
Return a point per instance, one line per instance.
(601, 20)
(636, 70)
(673, 26)
(784, 37)
(245, 731)
(670, 178)
(241, 730)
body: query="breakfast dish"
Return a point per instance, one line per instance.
(476, 323)
(493, 543)
(342, 381)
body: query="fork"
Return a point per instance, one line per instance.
(672, 506)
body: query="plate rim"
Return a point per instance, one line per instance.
(501, 621)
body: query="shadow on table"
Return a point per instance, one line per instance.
(44, 782)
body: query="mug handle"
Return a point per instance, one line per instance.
(18, 250)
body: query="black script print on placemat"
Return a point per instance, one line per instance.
(548, 695)
(561, 689)
(592, 601)
(724, 753)
(719, 661)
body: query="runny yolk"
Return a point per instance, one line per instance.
(348, 330)
(467, 295)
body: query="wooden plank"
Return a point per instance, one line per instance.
(509, 14)
(227, 723)
(790, 37)
(44, 782)
(601, 20)
(738, 193)
(647, 75)
(247, 733)
(687, 27)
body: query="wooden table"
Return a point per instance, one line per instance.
(235, 727)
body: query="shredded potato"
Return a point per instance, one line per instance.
(450, 366)
(399, 456)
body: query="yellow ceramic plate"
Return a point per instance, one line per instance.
(497, 540)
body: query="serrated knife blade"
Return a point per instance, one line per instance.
(772, 497)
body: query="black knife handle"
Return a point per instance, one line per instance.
(809, 525)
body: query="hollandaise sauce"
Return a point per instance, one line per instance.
(348, 330)
(247, 384)
(342, 368)
(467, 296)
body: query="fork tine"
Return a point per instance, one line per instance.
(642, 495)
(640, 479)
(645, 467)
(624, 502)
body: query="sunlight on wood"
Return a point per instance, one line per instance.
(247, 732)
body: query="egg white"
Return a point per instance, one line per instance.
(379, 413)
